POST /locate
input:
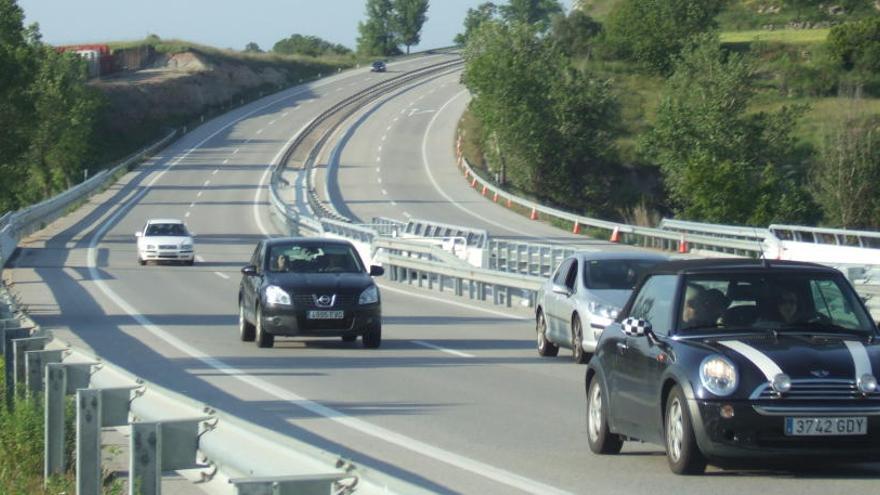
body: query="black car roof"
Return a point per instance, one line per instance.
(306, 241)
(733, 265)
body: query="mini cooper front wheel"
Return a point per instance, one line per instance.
(600, 438)
(545, 347)
(682, 452)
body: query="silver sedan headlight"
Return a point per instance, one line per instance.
(369, 296)
(718, 375)
(603, 310)
(277, 295)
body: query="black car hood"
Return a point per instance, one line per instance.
(800, 356)
(308, 283)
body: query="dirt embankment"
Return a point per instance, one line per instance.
(180, 88)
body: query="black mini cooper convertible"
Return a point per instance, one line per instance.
(731, 360)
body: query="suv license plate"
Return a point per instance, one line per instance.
(326, 315)
(813, 427)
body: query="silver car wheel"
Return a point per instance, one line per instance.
(674, 430)
(595, 425)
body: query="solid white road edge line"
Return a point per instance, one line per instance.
(441, 349)
(443, 193)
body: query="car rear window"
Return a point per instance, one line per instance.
(614, 274)
(311, 258)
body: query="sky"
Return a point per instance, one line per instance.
(226, 23)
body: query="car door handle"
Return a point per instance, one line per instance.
(622, 347)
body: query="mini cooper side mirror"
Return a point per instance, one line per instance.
(376, 271)
(636, 327)
(249, 270)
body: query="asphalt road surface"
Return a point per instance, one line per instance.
(456, 399)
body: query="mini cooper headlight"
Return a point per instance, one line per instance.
(718, 375)
(370, 295)
(867, 384)
(277, 295)
(603, 310)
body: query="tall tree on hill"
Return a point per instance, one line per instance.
(533, 12)
(484, 12)
(409, 17)
(377, 31)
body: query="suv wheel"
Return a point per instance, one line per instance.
(600, 439)
(264, 339)
(545, 347)
(246, 330)
(372, 338)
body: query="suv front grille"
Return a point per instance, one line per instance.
(308, 301)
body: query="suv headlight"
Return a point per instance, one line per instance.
(277, 295)
(370, 295)
(603, 310)
(718, 375)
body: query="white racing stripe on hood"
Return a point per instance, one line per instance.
(859, 357)
(758, 358)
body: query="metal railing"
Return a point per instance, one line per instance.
(753, 234)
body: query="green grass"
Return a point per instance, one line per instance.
(791, 36)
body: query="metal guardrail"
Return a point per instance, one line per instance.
(527, 257)
(723, 231)
(16, 225)
(168, 431)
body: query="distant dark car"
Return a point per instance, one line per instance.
(378, 66)
(724, 360)
(309, 287)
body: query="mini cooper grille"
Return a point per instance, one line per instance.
(835, 389)
(308, 300)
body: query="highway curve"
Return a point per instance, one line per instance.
(456, 399)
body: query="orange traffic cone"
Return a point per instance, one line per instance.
(576, 229)
(534, 215)
(474, 183)
(495, 198)
(682, 245)
(466, 173)
(485, 189)
(508, 203)
(615, 235)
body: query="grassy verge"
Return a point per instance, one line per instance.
(793, 36)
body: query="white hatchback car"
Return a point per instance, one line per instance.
(164, 239)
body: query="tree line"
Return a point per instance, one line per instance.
(47, 114)
(550, 115)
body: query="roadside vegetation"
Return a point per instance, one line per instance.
(721, 111)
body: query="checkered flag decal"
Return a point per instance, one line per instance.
(635, 326)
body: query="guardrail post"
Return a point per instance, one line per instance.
(10, 334)
(88, 441)
(55, 390)
(470, 289)
(459, 289)
(35, 366)
(19, 347)
(144, 467)
(507, 291)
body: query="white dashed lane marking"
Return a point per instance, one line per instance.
(442, 349)
(384, 192)
(222, 275)
(186, 215)
(236, 151)
(225, 161)
(199, 194)
(207, 182)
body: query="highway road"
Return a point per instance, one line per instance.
(456, 399)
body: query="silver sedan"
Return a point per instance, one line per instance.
(583, 296)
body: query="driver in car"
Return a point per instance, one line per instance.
(703, 307)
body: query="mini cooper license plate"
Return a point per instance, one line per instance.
(813, 427)
(326, 315)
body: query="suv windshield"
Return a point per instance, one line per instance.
(297, 258)
(166, 230)
(816, 302)
(614, 274)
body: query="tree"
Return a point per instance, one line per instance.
(311, 46)
(575, 33)
(484, 12)
(845, 174)
(720, 163)
(252, 47)
(554, 124)
(377, 31)
(536, 13)
(653, 32)
(856, 45)
(409, 17)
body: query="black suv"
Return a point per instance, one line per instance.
(378, 66)
(309, 287)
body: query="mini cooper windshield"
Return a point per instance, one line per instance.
(780, 302)
(309, 258)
